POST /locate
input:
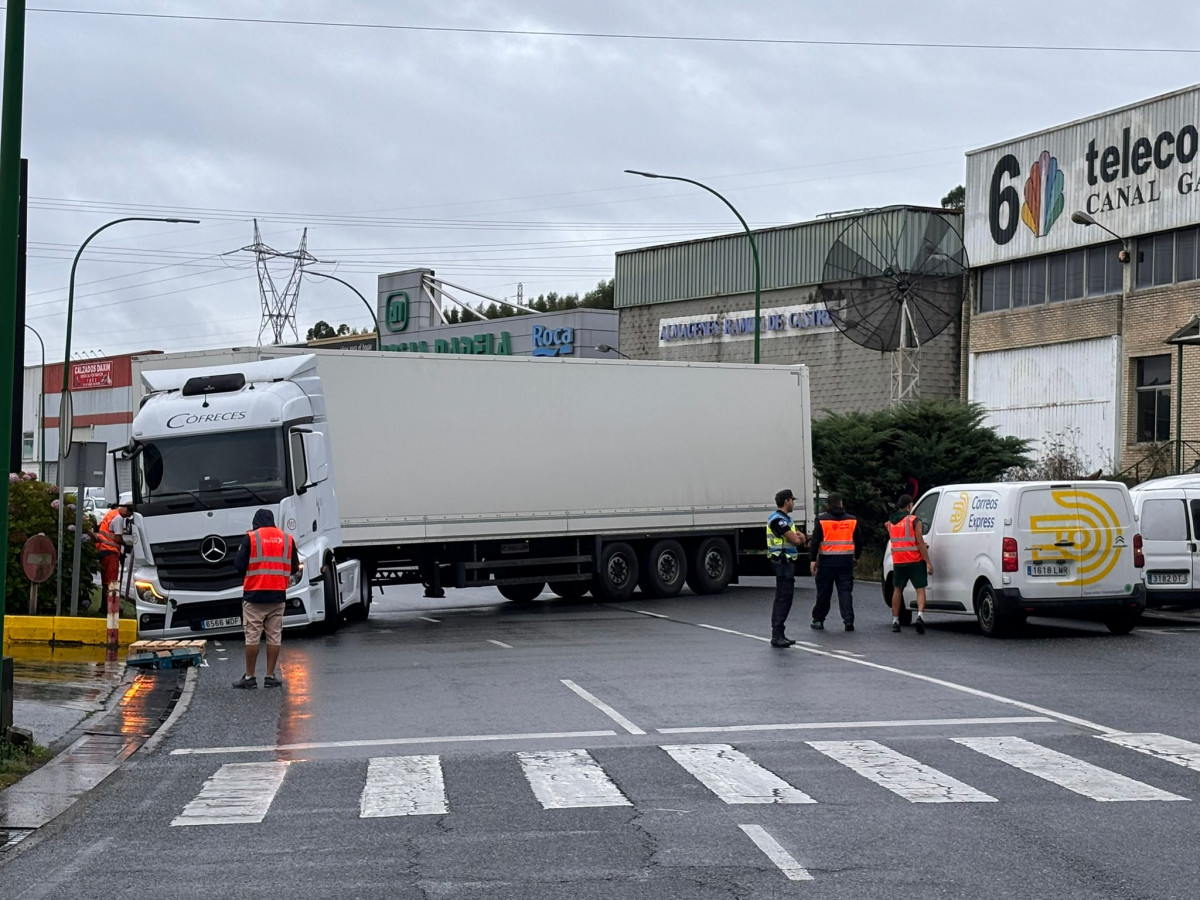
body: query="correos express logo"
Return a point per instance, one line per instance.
(1043, 195)
(958, 512)
(1091, 525)
(974, 512)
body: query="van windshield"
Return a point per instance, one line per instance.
(210, 471)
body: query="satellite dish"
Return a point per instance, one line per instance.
(894, 280)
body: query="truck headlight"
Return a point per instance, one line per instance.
(298, 577)
(148, 593)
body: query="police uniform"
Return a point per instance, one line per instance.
(783, 556)
(836, 544)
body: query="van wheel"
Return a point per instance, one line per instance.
(329, 590)
(520, 593)
(712, 566)
(992, 621)
(617, 575)
(665, 570)
(570, 590)
(1122, 624)
(905, 616)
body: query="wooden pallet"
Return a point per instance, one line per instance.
(165, 654)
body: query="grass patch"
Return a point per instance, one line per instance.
(15, 763)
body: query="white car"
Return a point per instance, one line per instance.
(1007, 550)
(1168, 511)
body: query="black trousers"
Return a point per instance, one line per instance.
(785, 589)
(827, 576)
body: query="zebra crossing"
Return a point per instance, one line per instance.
(395, 786)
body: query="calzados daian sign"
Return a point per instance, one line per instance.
(1134, 170)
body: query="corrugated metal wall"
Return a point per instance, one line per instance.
(1060, 392)
(791, 256)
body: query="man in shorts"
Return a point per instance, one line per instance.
(269, 559)
(910, 560)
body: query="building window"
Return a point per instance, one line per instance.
(27, 445)
(1168, 258)
(1153, 406)
(1091, 272)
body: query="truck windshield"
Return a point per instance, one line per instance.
(210, 471)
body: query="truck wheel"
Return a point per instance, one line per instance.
(329, 588)
(362, 609)
(712, 566)
(905, 616)
(992, 621)
(570, 590)
(1123, 623)
(617, 574)
(665, 570)
(520, 593)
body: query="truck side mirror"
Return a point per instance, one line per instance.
(315, 457)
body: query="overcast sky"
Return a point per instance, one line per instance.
(497, 159)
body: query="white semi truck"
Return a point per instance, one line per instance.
(454, 471)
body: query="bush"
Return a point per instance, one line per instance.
(32, 509)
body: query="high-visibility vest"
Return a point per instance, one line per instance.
(904, 540)
(270, 566)
(779, 546)
(837, 536)
(106, 539)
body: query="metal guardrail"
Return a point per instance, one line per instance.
(1161, 461)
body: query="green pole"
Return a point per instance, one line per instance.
(10, 182)
(1179, 412)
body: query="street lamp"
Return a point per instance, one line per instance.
(1079, 217)
(749, 234)
(41, 407)
(604, 348)
(64, 397)
(370, 308)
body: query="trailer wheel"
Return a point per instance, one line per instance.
(520, 593)
(617, 574)
(665, 570)
(712, 566)
(361, 610)
(329, 588)
(570, 590)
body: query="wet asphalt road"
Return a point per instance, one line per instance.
(484, 682)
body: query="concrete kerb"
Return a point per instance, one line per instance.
(181, 706)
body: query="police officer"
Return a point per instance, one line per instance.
(784, 541)
(834, 551)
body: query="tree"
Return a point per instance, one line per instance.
(601, 297)
(956, 199)
(321, 330)
(33, 509)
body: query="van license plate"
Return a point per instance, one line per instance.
(1054, 570)
(221, 623)
(1167, 578)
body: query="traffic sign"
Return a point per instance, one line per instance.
(38, 558)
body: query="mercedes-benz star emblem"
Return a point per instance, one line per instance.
(213, 549)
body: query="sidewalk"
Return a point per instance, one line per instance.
(56, 688)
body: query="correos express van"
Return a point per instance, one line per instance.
(1007, 550)
(1168, 513)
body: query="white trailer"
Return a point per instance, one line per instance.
(459, 471)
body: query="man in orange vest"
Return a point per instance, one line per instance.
(834, 549)
(110, 544)
(269, 559)
(910, 560)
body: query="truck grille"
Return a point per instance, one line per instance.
(182, 568)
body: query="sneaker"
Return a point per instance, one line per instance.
(781, 640)
(896, 627)
(919, 624)
(817, 625)
(272, 681)
(849, 626)
(246, 681)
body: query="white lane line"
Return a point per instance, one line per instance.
(783, 860)
(403, 786)
(653, 615)
(1065, 771)
(850, 653)
(882, 723)
(1162, 746)
(733, 776)
(428, 619)
(390, 742)
(238, 793)
(603, 707)
(900, 774)
(569, 779)
(500, 644)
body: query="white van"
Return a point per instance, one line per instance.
(1007, 550)
(1168, 513)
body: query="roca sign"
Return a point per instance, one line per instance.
(1135, 170)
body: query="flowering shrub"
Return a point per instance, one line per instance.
(33, 509)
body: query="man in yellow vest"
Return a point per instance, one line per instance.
(784, 542)
(834, 550)
(910, 560)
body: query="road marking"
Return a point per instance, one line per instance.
(603, 707)
(900, 774)
(1065, 771)
(783, 860)
(733, 776)
(428, 619)
(500, 644)
(654, 615)
(569, 779)
(403, 786)
(850, 653)
(389, 742)
(1163, 746)
(1168, 631)
(238, 793)
(882, 723)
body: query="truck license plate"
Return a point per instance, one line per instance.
(1167, 578)
(221, 623)
(1054, 570)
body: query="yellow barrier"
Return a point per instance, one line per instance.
(60, 629)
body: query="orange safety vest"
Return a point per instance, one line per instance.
(904, 541)
(106, 540)
(270, 566)
(837, 536)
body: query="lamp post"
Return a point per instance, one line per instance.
(749, 234)
(64, 397)
(604, 348)
(41, 407)
(366, 303)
